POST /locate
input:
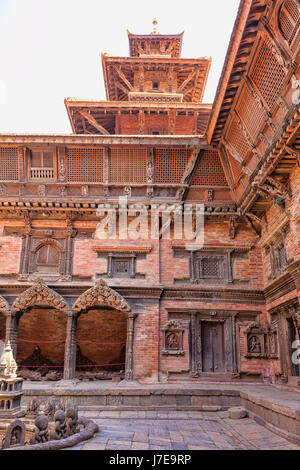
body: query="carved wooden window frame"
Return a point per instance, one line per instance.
(114, 257)
(276, 249)
(34, 261)
(223, 266)
(30, 168)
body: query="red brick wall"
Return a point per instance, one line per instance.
(38, 325)
(146, 345)
(102, 326)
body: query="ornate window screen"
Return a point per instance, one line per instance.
(235, 166)
(170, 165)
(237, 140)
(9, 168)
(289, 20)
(267, 74)
(128, 166)
(84, 165)
(250, 113)
(209, 170)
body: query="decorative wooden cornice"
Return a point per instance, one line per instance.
(104, 140)
(122, 249)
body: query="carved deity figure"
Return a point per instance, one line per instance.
(172, 341)
(254, 345)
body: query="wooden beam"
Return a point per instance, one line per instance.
(90, 119)
(189, 78)
(121, 87)
(123, 78)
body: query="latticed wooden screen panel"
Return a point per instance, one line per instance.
(235, 166)
(250, 113)
(267, 73)
(209, 171)
(289, 19)
(128, 165)
(170, 164)
(237, 139)
(9, 167)
(85, 165)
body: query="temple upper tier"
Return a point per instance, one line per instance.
(154, 91)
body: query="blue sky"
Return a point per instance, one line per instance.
(51, 49)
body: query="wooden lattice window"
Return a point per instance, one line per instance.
(237, 140)
(267, 74)
(210, 268)
(9, 167)
(235, 166)
(128, 165)
(85, 165)
(209, 171)
(42, 165)
(289, 20)
(170, 165)
(250, 113)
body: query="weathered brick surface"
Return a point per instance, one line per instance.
(102, 326)
(39, 325)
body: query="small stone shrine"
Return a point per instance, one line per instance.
(10, 385)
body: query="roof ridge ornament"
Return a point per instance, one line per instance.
(154, 22)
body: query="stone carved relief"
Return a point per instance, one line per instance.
(15, 434)
(256, 341)
(173, 338)
(42, 190)
(36, 294)
(100, 294)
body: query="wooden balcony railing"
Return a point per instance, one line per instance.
(42, 173)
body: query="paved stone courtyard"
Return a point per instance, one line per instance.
(151, 430)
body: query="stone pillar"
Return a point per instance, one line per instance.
(11, 333)
(129, 347)
(70, 347)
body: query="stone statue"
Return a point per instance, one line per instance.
(60, 425)
(72, 420)
(41, 434)
(254, 345)
(33, 408)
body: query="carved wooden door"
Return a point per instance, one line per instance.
(212, 340)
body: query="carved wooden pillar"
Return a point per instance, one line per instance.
(11, 333)
(21, 158)
(70, 347)
(129, 346)
(193, 342)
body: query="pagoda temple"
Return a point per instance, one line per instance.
(77, 304)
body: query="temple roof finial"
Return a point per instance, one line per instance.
(155, 22)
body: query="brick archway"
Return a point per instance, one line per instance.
(44, 323)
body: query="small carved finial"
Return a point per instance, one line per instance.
(154, 22)
(8, 365)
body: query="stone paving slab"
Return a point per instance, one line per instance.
(217, 432)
